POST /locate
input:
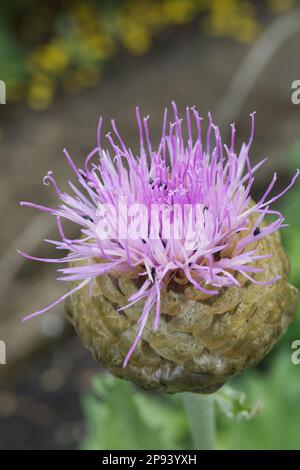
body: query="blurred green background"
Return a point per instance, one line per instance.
(64, 63)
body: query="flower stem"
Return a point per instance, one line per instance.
(201, 418)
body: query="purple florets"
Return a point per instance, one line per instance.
(182, 211)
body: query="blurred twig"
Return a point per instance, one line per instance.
(259, 55)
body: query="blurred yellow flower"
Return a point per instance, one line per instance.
(179, 11)
(40, 92)
(153, 16)
(136, 38)
(51, 57)
(82, 77)
(98, 46)
(279, 6)
(83, 35)
(246, 30)
(232, 18)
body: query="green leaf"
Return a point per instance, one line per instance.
(119, 417)
(232, 403)
(277, 426)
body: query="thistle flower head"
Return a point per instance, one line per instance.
(177, 215)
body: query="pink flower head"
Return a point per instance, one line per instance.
(172, 209)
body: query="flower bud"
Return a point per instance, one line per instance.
(201, 342)
(177, 280)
